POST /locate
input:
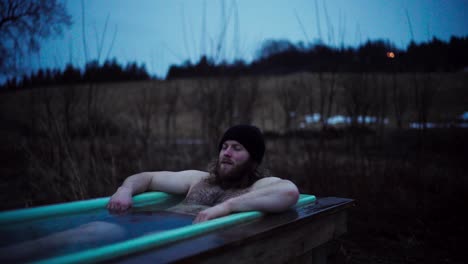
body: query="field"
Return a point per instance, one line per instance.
(406, 166)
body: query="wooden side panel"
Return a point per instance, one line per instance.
(291, 244)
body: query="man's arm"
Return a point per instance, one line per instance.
(164, 181)
(267, 195)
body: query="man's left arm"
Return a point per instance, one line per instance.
(269, 194)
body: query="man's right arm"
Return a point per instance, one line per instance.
(165, 181)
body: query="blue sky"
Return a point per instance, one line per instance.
(159, 33)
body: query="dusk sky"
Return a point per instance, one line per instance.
(160, 33)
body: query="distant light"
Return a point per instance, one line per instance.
(464, 116)
(390, 55)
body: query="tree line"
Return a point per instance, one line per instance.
(109, 71)
(275, 57)
(283, 57)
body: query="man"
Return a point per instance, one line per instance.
(234, 182)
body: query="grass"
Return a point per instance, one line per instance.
(409, 184)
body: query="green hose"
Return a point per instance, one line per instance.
(15, 216)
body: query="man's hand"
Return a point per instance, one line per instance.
(219, 210)
(121, 201)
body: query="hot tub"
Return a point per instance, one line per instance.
(240, 237)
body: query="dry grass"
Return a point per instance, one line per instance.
(67, 143)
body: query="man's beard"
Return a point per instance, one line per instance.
(235, 176)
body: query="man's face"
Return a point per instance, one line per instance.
(233, 159)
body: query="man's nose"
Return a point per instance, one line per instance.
(227, 152)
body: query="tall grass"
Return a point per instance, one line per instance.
(175, 125)
(143, 126)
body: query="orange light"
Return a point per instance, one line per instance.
(390, 55)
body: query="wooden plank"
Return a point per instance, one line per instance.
(279, 246)
(297, 232)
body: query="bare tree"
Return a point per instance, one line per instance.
(52, 156)
(400, 101)
(214, 101)
(358, 101)
(23, 23)
(146, 108)
(327, 97)
(424, 91)
(249, 89)
(171, 97)
(289, 95)
(357, 97)
(381, 104)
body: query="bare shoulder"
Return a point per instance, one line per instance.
(192, 177)
(175, 181)
(277, 183)
(195, 174)
(266, 181)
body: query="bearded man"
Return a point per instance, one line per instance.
(234, 182)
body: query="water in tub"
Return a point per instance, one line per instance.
(44, 238)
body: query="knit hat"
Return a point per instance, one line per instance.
(250, 137)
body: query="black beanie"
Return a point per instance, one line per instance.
(250, 137)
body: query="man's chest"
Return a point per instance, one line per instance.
(210, 195)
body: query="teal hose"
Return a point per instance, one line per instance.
(15, 216)
(158, 239)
